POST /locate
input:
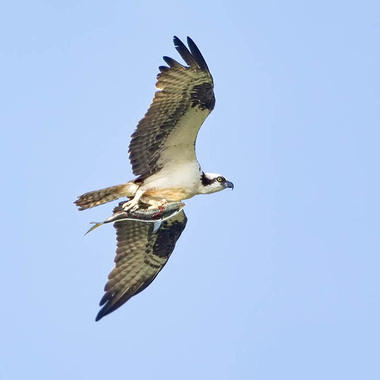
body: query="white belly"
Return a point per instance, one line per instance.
(173, 183)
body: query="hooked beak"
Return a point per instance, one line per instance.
(229, 184)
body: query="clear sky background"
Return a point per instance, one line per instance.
(278, 279)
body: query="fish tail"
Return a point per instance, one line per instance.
(95, 225)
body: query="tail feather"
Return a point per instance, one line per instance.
(108, 194)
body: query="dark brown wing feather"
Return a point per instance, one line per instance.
(170, 126)
(140, 255)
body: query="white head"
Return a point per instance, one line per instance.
(213, 182)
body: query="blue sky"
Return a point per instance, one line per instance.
(276, 279)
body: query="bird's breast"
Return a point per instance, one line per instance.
(173, 184)
(170, 194)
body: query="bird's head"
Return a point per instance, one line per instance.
(213, 182)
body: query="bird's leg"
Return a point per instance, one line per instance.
(133, 203)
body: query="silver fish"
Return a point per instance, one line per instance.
(147, 215)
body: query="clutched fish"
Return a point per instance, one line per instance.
(147, 215)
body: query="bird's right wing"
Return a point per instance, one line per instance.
(142, 251)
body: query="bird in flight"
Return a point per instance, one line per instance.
(163, 159)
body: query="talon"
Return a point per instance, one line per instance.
(130, 205)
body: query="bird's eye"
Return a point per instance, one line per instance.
(220, 179)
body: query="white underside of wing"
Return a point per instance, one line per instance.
(178, 175)
(180, 168)
(179, 146)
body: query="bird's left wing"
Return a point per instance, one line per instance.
(142, 251)
(166, 135)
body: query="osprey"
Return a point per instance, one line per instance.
(162, 155)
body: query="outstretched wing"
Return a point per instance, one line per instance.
(142, 251)
(185, 97)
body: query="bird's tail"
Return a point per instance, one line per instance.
(108, 194)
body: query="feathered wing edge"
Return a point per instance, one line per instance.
(142, 251)
(194, 57)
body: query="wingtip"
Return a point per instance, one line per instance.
(102, 312)
(106, 309)
(176, 41)
(189, 40)
(175, 38)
